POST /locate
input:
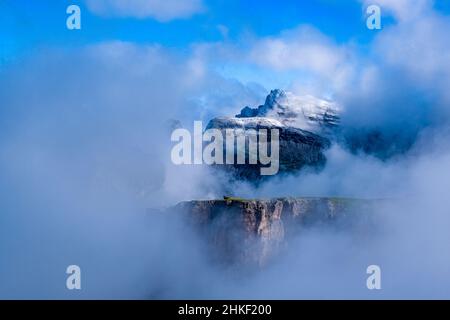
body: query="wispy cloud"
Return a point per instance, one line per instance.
(162, 10)
(402, 9)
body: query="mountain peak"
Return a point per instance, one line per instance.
(275, 96)
(304, 112)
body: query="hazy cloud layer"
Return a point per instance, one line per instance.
(85, 151)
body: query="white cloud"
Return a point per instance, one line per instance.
(301, 55)
(402, 9)
(162, 10)
(404, 78)
(421, 47)
(302, 48)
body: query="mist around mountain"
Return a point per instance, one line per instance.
(87, 179)
(308, 127)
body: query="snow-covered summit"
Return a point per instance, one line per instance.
(304, 112)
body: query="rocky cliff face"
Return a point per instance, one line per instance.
(297, 147)
(251, 232)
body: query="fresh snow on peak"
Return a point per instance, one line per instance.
(244, 123)
(304, 112)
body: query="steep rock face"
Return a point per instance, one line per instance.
(297, 147)
(304, 112)
(251, 232)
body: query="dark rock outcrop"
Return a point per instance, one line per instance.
(297, 148)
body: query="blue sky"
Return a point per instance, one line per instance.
(29, 25)
(25, 25)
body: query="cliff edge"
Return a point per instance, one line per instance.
(246, 231)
